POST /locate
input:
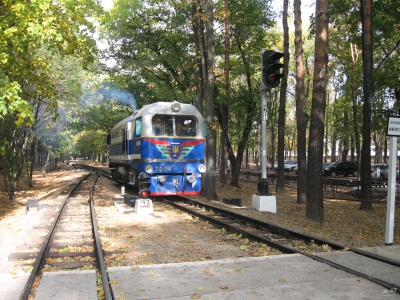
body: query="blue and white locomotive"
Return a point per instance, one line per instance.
(159, 149)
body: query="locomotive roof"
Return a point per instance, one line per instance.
(161, 108)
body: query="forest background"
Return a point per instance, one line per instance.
(70, 70)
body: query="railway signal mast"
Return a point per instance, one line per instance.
(270, 78)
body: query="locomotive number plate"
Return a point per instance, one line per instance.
(163, 169)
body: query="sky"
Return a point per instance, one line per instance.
(107, 4)
(307, 7)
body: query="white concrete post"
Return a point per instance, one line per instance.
(390, 207)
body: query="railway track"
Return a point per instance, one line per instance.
(72, 241)
(285, 240)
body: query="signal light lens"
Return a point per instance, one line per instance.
(144, 194)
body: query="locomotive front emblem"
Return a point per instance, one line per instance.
(175, 149)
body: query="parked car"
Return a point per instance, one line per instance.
(341, 168)
(289, 165)
(324, 165)
(383, 172)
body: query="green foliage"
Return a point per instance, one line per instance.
(27, 27)
(11, 102)
(35, 36)
(346, 65)
(152, 40)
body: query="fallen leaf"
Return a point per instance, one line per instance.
(195, 296)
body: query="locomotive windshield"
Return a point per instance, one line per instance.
(174, 126)
(186, 126)
(162, 125)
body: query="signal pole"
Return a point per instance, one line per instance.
(263, 183)
(270, 77)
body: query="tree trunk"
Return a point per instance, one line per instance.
(355, 56)
(366, 13)
(315, 208)
(280, 183)
(198, 31)
(345, 139)
(32, 160)
(208, 189)
(300, 105)
(225, 108)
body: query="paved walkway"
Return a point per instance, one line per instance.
(273, 277)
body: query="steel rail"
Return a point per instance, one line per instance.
(271, 227)
(91, 168)
(295, 234)
(219, 223)
(104, 276)
(46, 244)
(260, 224)
(382, 283)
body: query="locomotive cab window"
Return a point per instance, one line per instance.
(162, 125)
(186, 126)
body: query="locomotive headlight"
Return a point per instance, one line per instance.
(191, 178)
(202, 168)
(149, 169)
(175, 106)
(161, 179)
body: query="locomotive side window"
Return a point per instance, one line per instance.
(138, 127)
(162, 125)
(186, 126)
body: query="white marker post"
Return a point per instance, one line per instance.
(393, 130)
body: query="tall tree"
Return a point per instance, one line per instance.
(248, 20)
(354, 61)
(366, 13)
(300, 104)
(280, 184)
(225, 102)
(314, 192)
(208, 188)
(201, 67)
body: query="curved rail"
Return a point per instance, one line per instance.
(260, 226)
(263, 227)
